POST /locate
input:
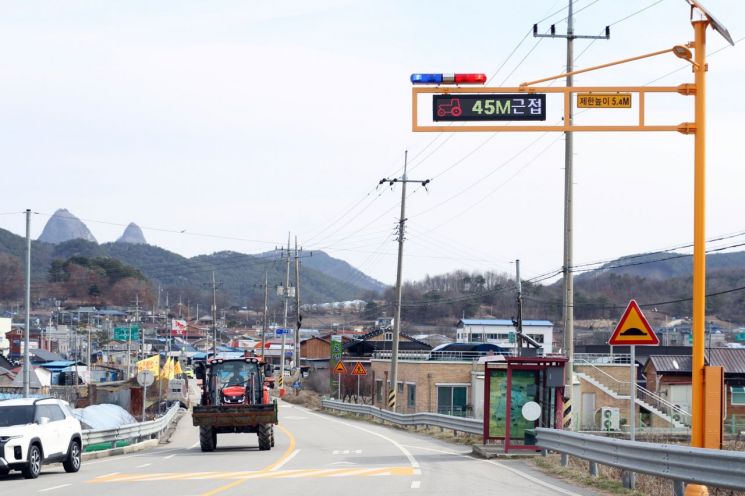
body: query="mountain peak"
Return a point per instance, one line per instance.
(64, 226)
(132, 234)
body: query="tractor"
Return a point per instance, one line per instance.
(235, 399)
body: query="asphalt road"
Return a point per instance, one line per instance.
(314, 454)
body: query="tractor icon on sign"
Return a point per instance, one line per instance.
(450, 108)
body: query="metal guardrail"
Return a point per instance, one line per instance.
(131, 431)
(451, 356)
(604, 358)
(460, 424)
(716, 468)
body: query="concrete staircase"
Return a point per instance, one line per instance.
(613, 394)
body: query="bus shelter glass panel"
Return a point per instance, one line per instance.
(497, 403)
(523, 390)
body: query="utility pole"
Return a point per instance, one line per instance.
(286, 294)
(137, 322)
(214, 316)
(266, 311)
(299, 319)
(519, 340)
(27, 325)
(214, 285)
(399, 270)
(568, 197)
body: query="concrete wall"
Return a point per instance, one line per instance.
(619, 372)
(619, 375)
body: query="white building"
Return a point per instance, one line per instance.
(4, 329)
(502, 332)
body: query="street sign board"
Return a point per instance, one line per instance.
(340, 368)
(281, 331)
(489, 107)
(121, 333)
(359, 369)
(603, 100)
(633, 329)
(145, 378)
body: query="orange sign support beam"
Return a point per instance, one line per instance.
(641, 91)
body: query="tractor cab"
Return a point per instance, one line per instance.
(233, 381)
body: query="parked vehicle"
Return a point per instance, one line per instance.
(38, 431)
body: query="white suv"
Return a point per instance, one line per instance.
(35, 431)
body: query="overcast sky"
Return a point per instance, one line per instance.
(238, 121)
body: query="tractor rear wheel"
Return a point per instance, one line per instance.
(271, 428)
(207, 438)
(265, 437)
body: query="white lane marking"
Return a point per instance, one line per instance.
(143, 465)
(169, 456)
(416, 484)
(502, 465)
(417, 472)
(53, 488)
(346, 452)
(194, 445)
(293, 417)
(138, 455)
(284, 462)
(401, 448)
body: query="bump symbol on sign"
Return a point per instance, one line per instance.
(340, 368)
(633, 328)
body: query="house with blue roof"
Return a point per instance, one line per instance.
(501, 332)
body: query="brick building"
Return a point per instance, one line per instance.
(670, 377)
(450, 387)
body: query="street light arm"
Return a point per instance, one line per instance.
(594, 68)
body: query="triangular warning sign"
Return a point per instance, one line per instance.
(340, 368)
(633, 328)
(359, 369)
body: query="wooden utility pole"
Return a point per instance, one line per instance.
(299, 319)
(570, 36)
(399, 271)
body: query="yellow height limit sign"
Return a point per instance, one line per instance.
(604, 100)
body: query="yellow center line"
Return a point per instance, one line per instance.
(282, 459)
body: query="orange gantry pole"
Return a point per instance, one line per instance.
(699, 237)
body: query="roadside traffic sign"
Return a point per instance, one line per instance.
(125, 333)
(359, 369)
(145, 378)
(489, 107)
(633, 329)
(340, 368)
(604, 100)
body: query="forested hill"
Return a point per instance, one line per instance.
(240, 275)
(664, 265)
(661, 282)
